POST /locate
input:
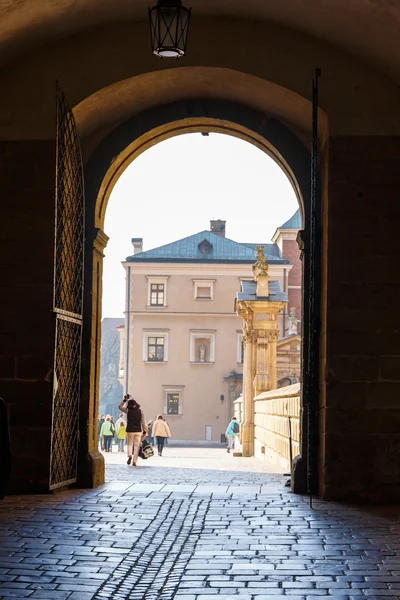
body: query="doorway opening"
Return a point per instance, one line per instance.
(169, 314)
(287, 151)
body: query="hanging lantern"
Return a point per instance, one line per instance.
(169, 26)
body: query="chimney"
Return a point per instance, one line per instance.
(218, 227)
(137, 244)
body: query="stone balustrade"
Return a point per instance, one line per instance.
(272, 411)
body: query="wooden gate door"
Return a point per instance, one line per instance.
(68, 297)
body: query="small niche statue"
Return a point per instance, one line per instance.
(202, 352)
(292, 322)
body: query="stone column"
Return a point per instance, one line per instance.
(91, 461)
(250, 339)
(262, 380)
(272, 339)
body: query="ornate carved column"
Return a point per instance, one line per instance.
(250, 341)
(262, 378)
(258, 304)
(272, 339)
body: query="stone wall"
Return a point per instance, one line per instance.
(271, 431)
(26, 300)
(360, 409)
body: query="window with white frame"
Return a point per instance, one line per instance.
(157, 291)
(239, 347)
(202, 346)
(173, 400)
(155, 346)
(203, 289)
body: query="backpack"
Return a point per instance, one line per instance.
(236, 427)
(146, 450)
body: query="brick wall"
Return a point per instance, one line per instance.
(290, 250)
(362, 410)
(26, 290)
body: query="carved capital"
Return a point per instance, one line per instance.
(273, 336)
(100, 241)
(250, 337)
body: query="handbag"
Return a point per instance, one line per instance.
(145, 450)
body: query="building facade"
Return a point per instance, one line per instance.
(110, 383)
(182, 341)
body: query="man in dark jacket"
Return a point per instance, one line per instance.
(135, 429)
(5, 449)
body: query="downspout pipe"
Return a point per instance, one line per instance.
(127, 327)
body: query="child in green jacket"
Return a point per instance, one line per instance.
(121, 435)
(107, 431)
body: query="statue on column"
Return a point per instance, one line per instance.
(202, 352)
(292, 322)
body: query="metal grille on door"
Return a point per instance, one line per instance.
(68, 297)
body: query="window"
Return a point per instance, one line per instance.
(240, 347)
(203, 289)
(202, 346)
(156, 291)
(204, 292)
(156, 294)
(173, 400)
(155, 346)
(173, 403)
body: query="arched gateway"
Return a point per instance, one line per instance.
(105, 165)
(248, 71)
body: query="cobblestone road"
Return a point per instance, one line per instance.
(191, 525)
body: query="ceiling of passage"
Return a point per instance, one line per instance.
(367, 28)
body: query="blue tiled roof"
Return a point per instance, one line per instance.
(294, 222)
(220, 250)
(249, 291)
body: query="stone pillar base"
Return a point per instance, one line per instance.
(91, 472)
(247, 439)
(299, 475)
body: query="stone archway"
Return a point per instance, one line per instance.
(117, 150)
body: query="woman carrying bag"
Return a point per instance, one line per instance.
(161, 432)
(135, 428)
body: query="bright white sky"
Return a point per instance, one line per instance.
(174, 189)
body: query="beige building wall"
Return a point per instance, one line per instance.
(185, 322)
(288, 353)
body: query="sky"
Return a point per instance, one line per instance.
(175, 188)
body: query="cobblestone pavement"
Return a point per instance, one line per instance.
(190, 525)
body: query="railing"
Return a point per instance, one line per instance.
(277, 425)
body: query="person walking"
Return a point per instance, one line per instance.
(135, 428)
(232, 432)
(107, 432)
(122, 417)
(161, 432)
(121, 420)
(115, 429)
(121, 435)
(99, 425)
(150, 437)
